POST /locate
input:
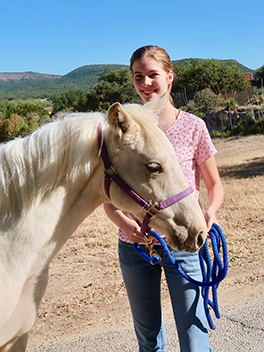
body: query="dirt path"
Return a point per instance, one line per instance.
(86, 295)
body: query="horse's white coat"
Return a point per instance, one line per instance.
(53, 179)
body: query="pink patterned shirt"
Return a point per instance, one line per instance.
(193, 145)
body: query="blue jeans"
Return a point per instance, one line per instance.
(143, 284)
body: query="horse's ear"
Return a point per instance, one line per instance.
(118, 118)
(157, 105)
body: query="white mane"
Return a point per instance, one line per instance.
(33, 166)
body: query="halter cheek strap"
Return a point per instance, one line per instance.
(152, 209)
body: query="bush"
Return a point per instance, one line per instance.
(206, 100)
(21, 119)
(191, 106)
(231, 104)
(241, 129)
(12, 127)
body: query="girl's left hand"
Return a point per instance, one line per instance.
(210, 218)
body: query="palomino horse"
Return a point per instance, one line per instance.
(53, 179)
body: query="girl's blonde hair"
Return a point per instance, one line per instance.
(155, 52)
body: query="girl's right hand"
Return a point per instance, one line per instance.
(132, 229)
(125, 222)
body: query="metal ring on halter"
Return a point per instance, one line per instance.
(111, 173)
(153, 210)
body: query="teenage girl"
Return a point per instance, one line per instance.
(152, 73)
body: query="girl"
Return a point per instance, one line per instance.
(152, 73)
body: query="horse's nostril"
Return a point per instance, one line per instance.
(200, 239)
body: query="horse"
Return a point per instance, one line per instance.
(51, 180)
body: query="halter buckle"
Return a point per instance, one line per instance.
(153, 210)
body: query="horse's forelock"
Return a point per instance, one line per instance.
(145, 118)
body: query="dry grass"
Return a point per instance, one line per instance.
(86, 290)
(241, 166)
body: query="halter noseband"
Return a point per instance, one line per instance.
(152, 209)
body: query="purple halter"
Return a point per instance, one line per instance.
(151, 209)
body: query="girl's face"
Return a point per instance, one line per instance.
(150, 79)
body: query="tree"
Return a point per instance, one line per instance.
(197, 74)
(259, 75)
(114, 86)
(73, 100)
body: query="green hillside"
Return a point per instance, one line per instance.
(39, 86)
(35, 85)
(242, 67)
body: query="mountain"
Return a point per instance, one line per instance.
(23, 85)
(26, 76)
(36, 85)
(87, 74)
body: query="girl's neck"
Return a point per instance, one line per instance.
(167, 116)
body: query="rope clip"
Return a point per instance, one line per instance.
(149, 242)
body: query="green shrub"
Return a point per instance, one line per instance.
(12, 127)
(240, 129)
(231, 104)
(21, 119)
(205, 100)
(28, 111)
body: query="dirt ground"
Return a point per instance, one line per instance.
(86, 291)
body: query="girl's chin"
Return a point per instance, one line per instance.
(148, 97)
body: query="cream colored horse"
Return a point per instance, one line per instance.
(53, 179)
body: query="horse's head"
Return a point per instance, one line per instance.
(145, 159)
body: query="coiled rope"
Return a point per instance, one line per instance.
(212, 273)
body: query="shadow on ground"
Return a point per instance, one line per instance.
(254, 167)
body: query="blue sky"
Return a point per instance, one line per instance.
(55, 36)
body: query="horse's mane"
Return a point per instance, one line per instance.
(58, 152)
(38, 163)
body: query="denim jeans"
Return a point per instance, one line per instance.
(143, 284)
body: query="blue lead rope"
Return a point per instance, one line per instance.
(213, 273)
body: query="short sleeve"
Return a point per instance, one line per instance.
(204, 145)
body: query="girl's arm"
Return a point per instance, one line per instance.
(215, 189)
(126, 223)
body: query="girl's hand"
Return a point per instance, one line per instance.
(124, 221)
(132, 229)
(210, 218)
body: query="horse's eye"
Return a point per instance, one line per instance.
(154, 168)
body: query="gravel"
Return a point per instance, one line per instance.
(239, 329)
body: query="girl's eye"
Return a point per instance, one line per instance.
(138, 77)
(154, 168)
